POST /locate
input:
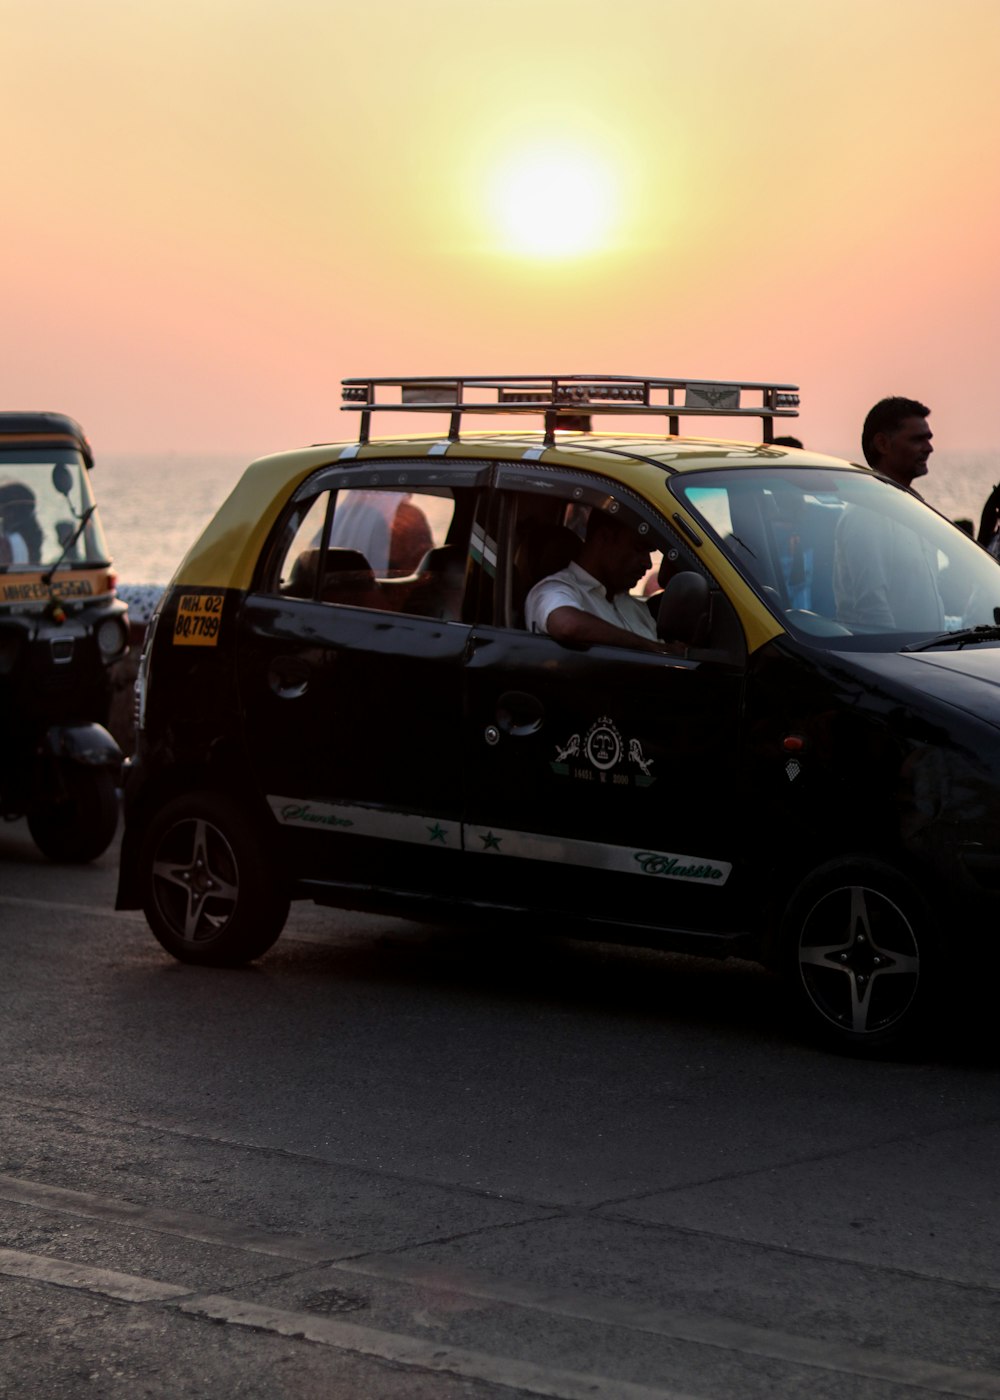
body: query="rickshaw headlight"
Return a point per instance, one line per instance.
(112, 639)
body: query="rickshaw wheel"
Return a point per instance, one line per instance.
(81, 824)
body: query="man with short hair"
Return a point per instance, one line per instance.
(589, 601)
(896, 440)
(884, 575)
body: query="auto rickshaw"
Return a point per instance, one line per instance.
(61, 629)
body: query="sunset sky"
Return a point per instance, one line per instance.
(214, 209)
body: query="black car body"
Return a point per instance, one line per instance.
(330, 712)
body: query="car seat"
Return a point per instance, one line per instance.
(348, 578)
(545, 549)
(438, 584)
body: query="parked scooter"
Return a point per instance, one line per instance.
(61, 629)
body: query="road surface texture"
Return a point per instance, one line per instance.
(390, 1161)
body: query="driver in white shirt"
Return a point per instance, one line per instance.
(589, 601)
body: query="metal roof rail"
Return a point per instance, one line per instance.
(558, 396)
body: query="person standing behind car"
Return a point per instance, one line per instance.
(989, 524)
(896, 440)
(883, 575)
(386, 527)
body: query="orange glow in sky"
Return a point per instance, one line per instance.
(213, 210)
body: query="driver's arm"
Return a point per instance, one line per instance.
(574, 626)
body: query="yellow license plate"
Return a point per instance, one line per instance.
(199, 618)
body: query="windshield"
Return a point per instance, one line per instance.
(44, 497)
(846, 557)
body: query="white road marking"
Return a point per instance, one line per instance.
(179, 1223)
(788, 1348)
(723, 1333)
(427, 1356)
(129, 1288)
(394, 1347)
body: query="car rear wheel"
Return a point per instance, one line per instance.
(210, 889)
(81, 823)
(859, 955)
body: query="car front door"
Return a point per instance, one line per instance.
(600, 780)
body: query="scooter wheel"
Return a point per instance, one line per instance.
(80, 824)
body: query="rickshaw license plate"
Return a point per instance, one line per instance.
(199, 616)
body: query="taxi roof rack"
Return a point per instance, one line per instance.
(569, 396)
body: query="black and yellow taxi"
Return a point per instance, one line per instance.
(340, 700)
(62, 627)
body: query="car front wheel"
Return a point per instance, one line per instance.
(210, 890)
(859, 952)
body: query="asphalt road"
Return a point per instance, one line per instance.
(391, 1161)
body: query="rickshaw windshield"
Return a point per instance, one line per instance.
(45, 500)
(847, 558)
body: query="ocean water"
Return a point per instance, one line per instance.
(154, 507)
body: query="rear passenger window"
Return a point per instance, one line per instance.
(298, 571)
(393, 530)
(386, 549)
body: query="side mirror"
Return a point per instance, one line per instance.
(62, 479)
(685, 610)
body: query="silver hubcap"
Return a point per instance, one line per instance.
(858, 959)
(195, 880)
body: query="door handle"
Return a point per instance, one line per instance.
(519, 714)
(289, 676)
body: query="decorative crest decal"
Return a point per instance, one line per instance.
(603, 756)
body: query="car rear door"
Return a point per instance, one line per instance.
(351, 657)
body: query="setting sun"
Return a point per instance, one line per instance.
(554, 202)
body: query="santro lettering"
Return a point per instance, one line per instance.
(291, 813)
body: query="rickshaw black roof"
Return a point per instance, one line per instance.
(44, 430)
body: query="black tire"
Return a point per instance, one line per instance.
(859, 956)
(80, 825)
(210, 890)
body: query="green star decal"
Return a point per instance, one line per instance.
(438, 833)
(490, 842)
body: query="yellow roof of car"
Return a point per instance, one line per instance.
(227, 552)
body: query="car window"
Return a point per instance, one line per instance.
(392, 550)
(846, 557)
(298, 568)
(544, 534)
